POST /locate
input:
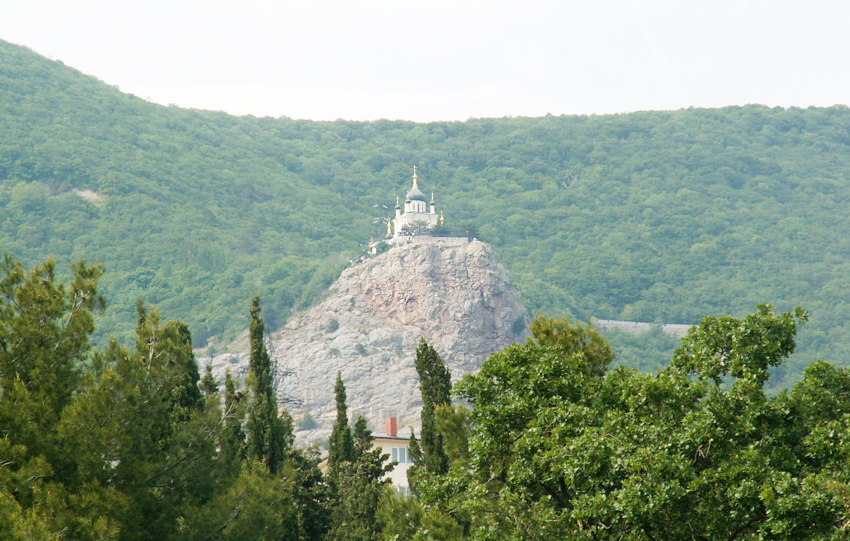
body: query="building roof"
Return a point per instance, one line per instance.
(415, 194)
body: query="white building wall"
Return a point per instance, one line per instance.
(398, 448)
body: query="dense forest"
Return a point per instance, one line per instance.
(651, 216)
(546, 441)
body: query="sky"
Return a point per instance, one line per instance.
(447, 60)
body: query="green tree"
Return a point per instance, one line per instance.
(452, 423)
(257, 505)
(435, 386)
(45, 328)
(269, 433)
(741, 348)
(341, 444)
(558, 452)
(174, 338)
(401, 517)
(270, 438)
(142, 443)
(233, 438)
(360, 484)
(209, 385)
(570, 338)
(311, 493)
(414, 451)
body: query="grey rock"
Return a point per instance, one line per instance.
(451, 292)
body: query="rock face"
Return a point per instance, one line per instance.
(449, 291)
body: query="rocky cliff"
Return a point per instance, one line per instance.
(449, 291)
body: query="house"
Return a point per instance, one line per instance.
(398, 447)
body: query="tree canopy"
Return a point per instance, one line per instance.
(695, 451)
(130, 443)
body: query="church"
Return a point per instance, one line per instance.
(417, 216)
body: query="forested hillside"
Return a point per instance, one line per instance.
(656, 216)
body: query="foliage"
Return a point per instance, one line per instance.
(126, 444)
(402, 517)
(452, 423)
(570, 339)
(312, 493)
(356, 472)
(233, 439)
(333, 325)
(744, 349)
(130, 443)
(143, 436)
(269, 432)
(434, 386)
(341, 444)
(307, 422)
(44, 339)
(45, 327)
(558, 452)
(256, 506)
(209, 385)
(360, 486)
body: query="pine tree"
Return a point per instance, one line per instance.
(312, 495)
(45, 327)
(142, 440)
(269, 435)
(175, 341)
(371, 462)
(44, 339)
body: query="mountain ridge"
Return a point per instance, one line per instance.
(653, 216)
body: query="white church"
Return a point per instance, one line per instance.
(415, 221)
(418, 215)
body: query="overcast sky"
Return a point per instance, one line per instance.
(447, 60)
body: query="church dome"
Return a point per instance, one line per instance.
(415, 194)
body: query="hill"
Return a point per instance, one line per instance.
(652, 216)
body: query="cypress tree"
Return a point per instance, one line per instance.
(435, 386)
(233, 438)
(341, 445)
(269, 435)
(370, 462)
(360, 484)
(208, 383)
(414, 452)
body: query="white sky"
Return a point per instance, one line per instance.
(447, 60)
